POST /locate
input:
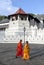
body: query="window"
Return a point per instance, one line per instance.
(12, 19)
(21, 18)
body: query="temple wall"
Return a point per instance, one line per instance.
(15, 32)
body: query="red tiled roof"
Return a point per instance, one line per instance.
(20, 11)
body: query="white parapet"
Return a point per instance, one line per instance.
(15, 32)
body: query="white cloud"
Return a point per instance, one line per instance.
(6, 7)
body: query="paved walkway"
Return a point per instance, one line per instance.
(7, 55)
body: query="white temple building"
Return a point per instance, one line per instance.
(33, 32)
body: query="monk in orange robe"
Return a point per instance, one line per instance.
(19, 49)
(26, 51)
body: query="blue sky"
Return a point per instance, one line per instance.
(30, 6)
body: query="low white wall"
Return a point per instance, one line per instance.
(30, 42)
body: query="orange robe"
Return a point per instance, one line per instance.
(19, 49)
(26, 52)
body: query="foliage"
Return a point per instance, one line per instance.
(3, 17)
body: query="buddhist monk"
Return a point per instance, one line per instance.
(26, 51)
(19, 49)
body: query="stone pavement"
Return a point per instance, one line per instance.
(7, 55)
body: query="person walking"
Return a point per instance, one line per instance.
(26, 51)
(19, 49)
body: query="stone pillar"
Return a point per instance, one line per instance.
(41, 24)
(33, 22)
(19, 18)
(35, 28)
(41, 21)
(27, 18)
(28, 21)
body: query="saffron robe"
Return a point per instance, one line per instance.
(19, 49)
(26, 52)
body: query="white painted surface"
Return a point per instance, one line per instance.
(15, 32)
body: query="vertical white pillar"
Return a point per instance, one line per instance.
(35, 28)
(27, 18)
(41, 22)
(19, 18)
